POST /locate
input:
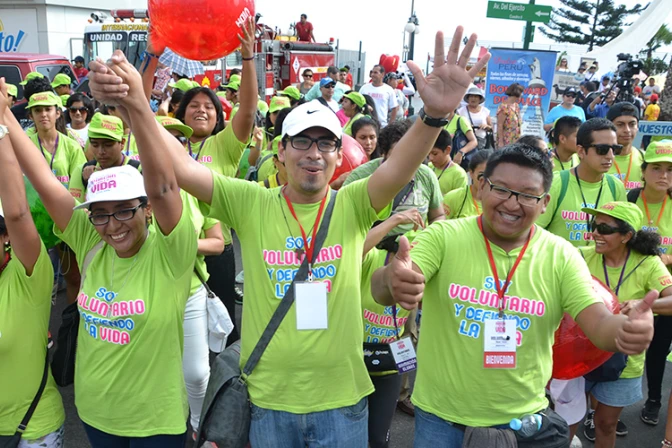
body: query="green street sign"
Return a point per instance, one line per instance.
(519, 11)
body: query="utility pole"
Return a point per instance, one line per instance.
(529, 30)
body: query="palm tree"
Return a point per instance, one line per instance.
(652, 65)
(665, 102)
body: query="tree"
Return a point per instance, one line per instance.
(588, 22)
(654, 66)
(665, 102)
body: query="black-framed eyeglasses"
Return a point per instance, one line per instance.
(603, 229)
(603, 149)
(100, 219)
(78, 109)
(182, 139)
(524, 199)
(324, 144)
(307, 76)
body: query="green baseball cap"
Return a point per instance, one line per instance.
(64, 99)
(29, 76)
(625, 211)
(291, 92)
(262, 107)
(356, 98)
(61, 80)
(278, 103)
(106, 126)
(233, 85)
(183, 84)
(660, 151)
(44, 99)
(235, 78)
(174, 123)
(12, 90)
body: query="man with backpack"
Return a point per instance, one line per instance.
(628, 163)
(587, 185)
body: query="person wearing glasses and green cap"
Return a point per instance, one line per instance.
(61, 84)
(627, 261)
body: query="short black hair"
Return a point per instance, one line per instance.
(380, 68)
(304, 15)
(591, 86)
(189, 95)
(481, 156)
(36, 85)
(531, 140)
(332, 69)
(622, 109)
(524, 156)
(584, 135)
(391, 134)
(77, 98)
(3, 226)
(443, 141)
(564, 126)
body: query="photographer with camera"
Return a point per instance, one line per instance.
(601, 104)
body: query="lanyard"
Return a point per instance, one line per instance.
(53, 155)
(502, 289)
(620, 278)
(128, 144)
(627, 176)
(473, 199)
(394, 307)
(200, 148)
(648, 215)
(562, 165)
(309, 247)
(445, 168)
(597, 201)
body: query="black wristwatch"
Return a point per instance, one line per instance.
(431, 121)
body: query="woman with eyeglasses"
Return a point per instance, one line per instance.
(562, 65)
(627, 261)
(465, 202)
(78, 113)
(136, 281)
(307, 84)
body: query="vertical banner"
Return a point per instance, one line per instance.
(534, 70)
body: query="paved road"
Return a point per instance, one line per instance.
(641, 435)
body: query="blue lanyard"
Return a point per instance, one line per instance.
(200, 148)
(620, 278)
(53, 155)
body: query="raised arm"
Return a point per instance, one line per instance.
(20, 226)
(377, 233)
(441, 91)
(243, 122)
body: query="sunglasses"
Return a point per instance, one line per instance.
(603, 229)
(570, 95)
(78, 109)
(330, 86)
(307, 76)
(603, 149)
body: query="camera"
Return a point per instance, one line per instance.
(628, 67)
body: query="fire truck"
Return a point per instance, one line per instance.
(280, 59)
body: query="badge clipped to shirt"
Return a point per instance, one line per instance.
(311, 305)
(499, 337)
(404, 355)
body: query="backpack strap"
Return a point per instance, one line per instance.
(87, 260)
(267, 184)
(633, 195)
(611, 181)
(464, 201)
(564, 184)
(134, 163)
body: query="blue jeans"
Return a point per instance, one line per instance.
(100, 439)
(432, 431)
(336, 428)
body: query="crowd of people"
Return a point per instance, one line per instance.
(458, 228)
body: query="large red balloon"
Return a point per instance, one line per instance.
(200, 30)
(353, 156)
(389, 62)
(573, 353)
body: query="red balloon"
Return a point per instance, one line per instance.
(389, 62)
(573, 353)
(353, 156)
(200, 30)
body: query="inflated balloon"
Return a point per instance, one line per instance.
(389, 62)
(43, 222)
(573, 353)
(200, 30)
(353, 156)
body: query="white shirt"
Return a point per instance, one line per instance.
(333, 105)
(82, 133)
(384, 98)
(476, 119)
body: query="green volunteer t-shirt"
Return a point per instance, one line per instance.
(25, 307)
(347, 129)
(244, 164)
(451, 127)
(301, 371)
(561, 166)
(629, 169)
(76, 186)
(661, 224)
(650, 274)
(267, 168)
(130, 146)
(67, 158)
(130, 333)
(569, 222)
(461, 204)
(201, 224)
(425, 194)
(459, 295)
(451, 178)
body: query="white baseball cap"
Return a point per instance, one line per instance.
(120, 183)
(569, 397)
(311, 115)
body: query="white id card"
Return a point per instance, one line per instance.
(499, 339)
(404, 355)
(311, 305)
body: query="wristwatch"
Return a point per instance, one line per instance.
(4, 130)
(431, 121)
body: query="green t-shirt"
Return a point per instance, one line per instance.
(629, 169)
(551, 279)
(285, 378)
(451, 127)
(461, 204)
(25, 307)
(650, 274)
(244, 164)
(560, 166)
(347, 129)
(569, 221)
(267, 168)
(451, 178)
(201, 224)
(130, 147)
(425, 194)
(66, 160)
(663, 226)
(130, 333)
(76, 186)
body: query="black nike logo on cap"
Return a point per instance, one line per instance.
(312, 111)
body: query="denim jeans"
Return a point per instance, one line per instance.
(336, 428)
(100, 439)
(432, 431)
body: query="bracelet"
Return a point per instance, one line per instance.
(666, 443)
(248, 59)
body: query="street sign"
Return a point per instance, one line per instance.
(519, 11)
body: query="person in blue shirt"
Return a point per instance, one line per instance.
(601, 104)
(566, 108)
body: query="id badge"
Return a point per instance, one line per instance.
(311, 305)
(404, 355)
(499, 339)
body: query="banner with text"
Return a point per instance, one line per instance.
(534, 70)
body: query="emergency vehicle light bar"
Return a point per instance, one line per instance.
(129, 13)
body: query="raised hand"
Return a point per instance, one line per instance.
(117, 82)
(443, 89)
(636, 333)
(406, 286)
(247, 40)
(411, 216)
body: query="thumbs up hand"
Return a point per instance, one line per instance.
(405, 284)
(636, 333)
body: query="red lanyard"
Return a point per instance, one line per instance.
(618, 169)
(502, 289)
(309, 247)
(53, 155)
(648, 215)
